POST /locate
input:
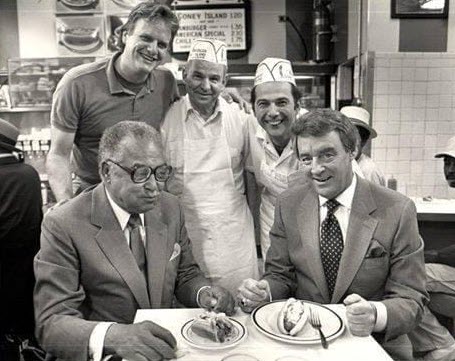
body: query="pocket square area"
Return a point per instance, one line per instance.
(176, 251)
(375, 250)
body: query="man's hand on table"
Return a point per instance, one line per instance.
(217, 299)
(360, 314)
(252, 293)
(140, 341)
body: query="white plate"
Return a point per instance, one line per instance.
(265, 319)
(78, 4)
(197, 341)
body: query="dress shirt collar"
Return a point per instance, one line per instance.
(344, 198)
(190, 109)
(121, 215)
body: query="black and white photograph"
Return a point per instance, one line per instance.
(227, 180)
(420, 8)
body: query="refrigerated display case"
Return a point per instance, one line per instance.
(32, 81)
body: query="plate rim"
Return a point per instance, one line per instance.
(293, 340)
(220, 346)
(86, 4)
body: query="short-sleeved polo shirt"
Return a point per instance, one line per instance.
(89, 98)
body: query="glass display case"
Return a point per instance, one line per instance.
(316, 82)
(32, 81)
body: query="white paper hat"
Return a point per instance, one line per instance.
(359, 117)
(274, 69)
(214, 51)
(450, 149)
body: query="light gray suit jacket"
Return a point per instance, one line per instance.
(85, 271)
(382, 258)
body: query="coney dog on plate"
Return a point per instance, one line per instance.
(292, 317)
(214, 326)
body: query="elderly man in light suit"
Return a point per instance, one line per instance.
(114, 249)
(339, 238)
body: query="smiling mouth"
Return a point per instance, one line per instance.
(148, 58)
(274, 123)
(321, 180)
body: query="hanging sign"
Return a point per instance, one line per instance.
(222, 22)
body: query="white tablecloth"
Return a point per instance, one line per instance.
(344, 348)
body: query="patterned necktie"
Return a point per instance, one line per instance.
(136, 243)
(331, 245)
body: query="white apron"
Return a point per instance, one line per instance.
(217, 217)
(275, 180)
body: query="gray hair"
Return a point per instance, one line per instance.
(110, 143)
(319, 122)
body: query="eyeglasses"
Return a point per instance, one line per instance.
(142, 173)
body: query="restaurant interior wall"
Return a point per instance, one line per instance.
(39, 14)
(414, 104)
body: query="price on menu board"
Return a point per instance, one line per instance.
(227, 25)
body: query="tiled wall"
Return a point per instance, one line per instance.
(414, 115)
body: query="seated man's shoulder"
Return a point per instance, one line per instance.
(75, 208)
(295, 193)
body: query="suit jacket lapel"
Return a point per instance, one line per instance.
(309, 232)
(360, 232)
(111, 240)
(157, 254)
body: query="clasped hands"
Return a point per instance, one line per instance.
(149, 341)
(360, 313)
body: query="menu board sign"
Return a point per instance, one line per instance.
(225, 24)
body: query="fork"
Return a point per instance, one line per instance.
(316, 323)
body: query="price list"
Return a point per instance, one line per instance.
(227, 25)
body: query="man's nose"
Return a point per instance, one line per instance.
(151, 184)
(316, 166)
(153, 47)
(273, 110)
(205, 84)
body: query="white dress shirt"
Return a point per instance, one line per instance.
(96, 341)
(342, 214)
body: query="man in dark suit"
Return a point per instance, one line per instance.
(339, 238)
(114, 249)
(20, 221)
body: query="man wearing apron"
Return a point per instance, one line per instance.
(206, 142)
(273, 158)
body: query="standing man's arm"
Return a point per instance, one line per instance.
(58, 163)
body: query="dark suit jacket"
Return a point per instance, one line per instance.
(20, 222)
(85, 271)
(382, 258)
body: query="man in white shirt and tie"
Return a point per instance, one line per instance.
(116, 248)
(339, 238)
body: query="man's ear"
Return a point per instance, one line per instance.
(184, 73)
(124, 33)
(105, 172)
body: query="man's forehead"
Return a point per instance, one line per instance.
(274, 89)
(320, 143)
(205, 66)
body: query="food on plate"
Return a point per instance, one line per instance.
(292, 317)
(213, 326)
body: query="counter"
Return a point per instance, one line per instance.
(436, 219)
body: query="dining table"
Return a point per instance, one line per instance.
(256, 345)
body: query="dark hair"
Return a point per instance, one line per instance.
(319, 122)
(110, 147)
(364, 134)
(149, 10)
(296, 94)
